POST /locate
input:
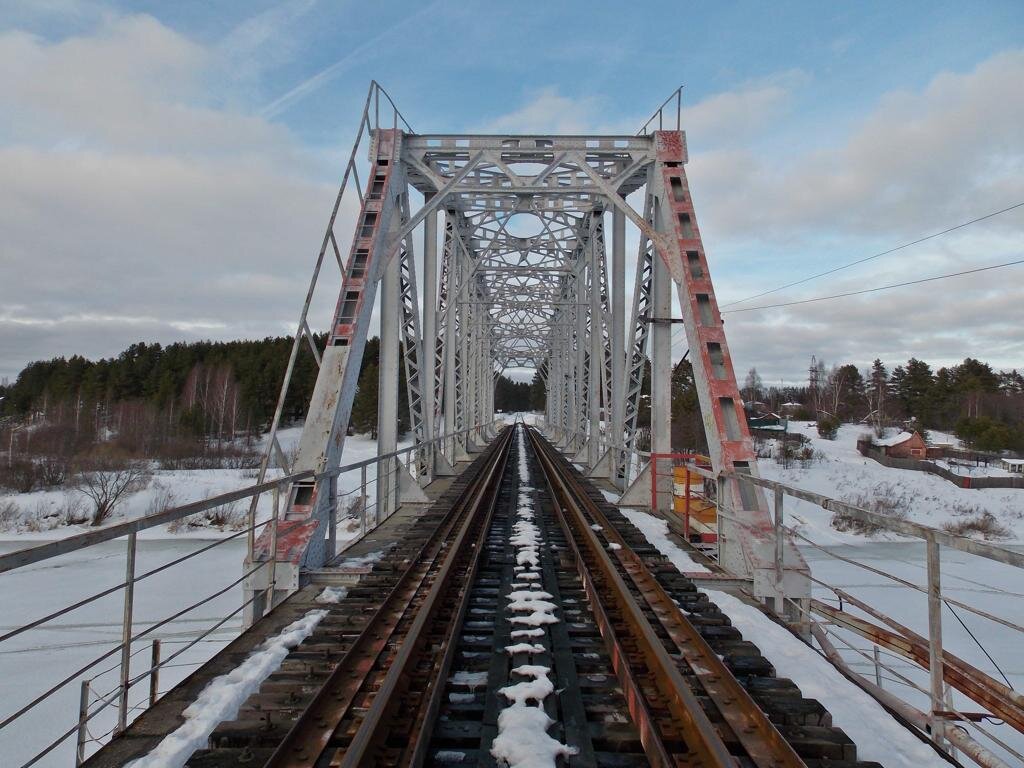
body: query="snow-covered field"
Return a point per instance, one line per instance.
(842, 473)
(172, 488)
(42, 657)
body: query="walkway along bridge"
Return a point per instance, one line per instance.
(489, 569)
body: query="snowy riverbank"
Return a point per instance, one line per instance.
(839, 471)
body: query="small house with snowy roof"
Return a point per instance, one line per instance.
(905, 445)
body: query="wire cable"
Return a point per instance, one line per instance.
(978, 642)
(877, 255)
(876, 288)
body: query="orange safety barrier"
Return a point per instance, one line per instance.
(690, 498)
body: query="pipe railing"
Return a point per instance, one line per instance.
(567, 440)
(660, 114)
(371, 515)
(933, 538)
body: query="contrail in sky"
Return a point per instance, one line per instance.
(321, 78)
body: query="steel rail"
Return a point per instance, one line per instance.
(378, 720)
(761, 740)
(700, 736)
(311, 734)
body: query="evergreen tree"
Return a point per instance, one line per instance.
(687, 424)
(538, 393)
(876, 392)
(364, 405)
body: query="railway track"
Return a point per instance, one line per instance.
(522, 612)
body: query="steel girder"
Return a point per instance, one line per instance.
(523, 280)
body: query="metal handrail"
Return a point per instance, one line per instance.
(904, 527)
(677, 94)
(30, 555)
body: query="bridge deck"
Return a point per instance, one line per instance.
(596, 707)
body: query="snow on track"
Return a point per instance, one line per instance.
(523, 740)
(223, 697)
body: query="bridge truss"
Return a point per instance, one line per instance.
(515, 233)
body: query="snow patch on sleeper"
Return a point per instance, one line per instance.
(223, 697)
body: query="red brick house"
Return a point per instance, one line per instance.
(905, 445)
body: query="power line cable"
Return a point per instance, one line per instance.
(877, 255)
(876, 288)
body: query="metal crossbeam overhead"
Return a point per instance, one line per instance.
(520, 279)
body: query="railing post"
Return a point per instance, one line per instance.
(126, 633)
(686, 508)
(154, 675)
(250, 537)
(720, 507)
(272, 580)
(878, 666)
(780, 552)
(935, 636)
(332, 522)
(83, 723)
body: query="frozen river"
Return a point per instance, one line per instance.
(989, 586)
(42, 657)
(34, 661)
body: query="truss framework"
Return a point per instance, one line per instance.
(522, 281)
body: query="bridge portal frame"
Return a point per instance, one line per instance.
(504, 296)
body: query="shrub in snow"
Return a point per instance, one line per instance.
(10, 514)
(885, 499)
(828, 427)
(21, 476)
(107, 478)
(984, 525)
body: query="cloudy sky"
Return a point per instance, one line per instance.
(166, 169)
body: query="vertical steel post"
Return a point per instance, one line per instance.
(596, 349)
(126, 634)
(878, 666)
(780, 540)
(387, 401)
(429, 326)
(686, 507)
(579, 373)
(83, 723)
(448, 372)
(935, 636)
(154, 673)
(661, 364)
(332, 521)
(618, 329)
(274, 523)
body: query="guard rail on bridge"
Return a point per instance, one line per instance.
(354, 482)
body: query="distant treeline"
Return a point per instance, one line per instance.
(212, 389)
(175, 378)
(982, 406)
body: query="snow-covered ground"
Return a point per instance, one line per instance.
(989, 586)
(41, 657)
(172, 488)
(34, 661)
(841, 472)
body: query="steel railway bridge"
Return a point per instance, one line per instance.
(493, 603)
(520, 278)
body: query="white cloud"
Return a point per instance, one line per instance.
(548, 111)
(919, 159)
(918, 163)
(133, 210)
(740, 113)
